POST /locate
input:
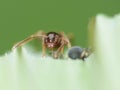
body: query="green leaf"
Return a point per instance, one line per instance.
(25, 70)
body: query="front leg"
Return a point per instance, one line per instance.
(66, 39)
(43, 48)
(59, 50)
(39, 34)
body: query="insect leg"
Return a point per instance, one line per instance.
(37, 35)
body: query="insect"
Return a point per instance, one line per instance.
(77, 52)
(50, 40)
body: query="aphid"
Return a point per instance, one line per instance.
(77, 52)
(50, 40)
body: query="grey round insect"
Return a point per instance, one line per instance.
(77, 52)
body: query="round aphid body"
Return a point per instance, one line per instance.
(75, 52)
(53, 40)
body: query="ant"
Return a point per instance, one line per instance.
(77, 52)
(50, 40)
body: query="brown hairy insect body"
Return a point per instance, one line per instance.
(50, 40)
(53, 40)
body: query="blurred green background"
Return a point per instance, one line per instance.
(21, 18)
